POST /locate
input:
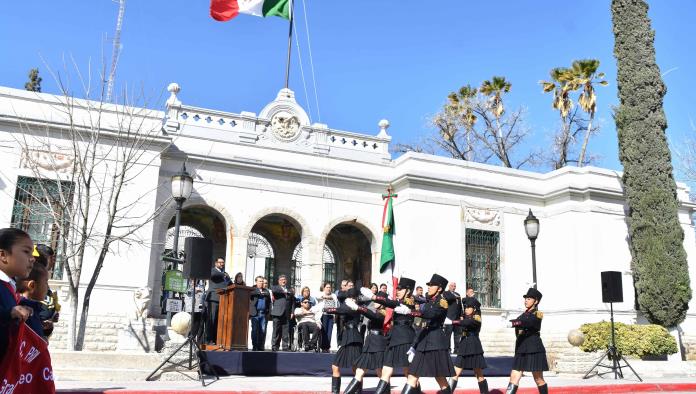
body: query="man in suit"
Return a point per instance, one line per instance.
(281, 313)
(219, 279)
(259, 308)
(454, 312)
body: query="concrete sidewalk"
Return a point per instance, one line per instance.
(296, 384)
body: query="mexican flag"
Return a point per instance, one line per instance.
(224, 10)
(388, 258)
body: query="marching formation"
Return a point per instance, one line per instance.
(422, 350)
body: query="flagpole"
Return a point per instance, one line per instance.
(287, 67)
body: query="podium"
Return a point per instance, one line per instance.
(233, 318)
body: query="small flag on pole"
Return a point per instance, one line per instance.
(224, 10)
(388, 257)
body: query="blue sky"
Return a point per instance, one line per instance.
(373, 59)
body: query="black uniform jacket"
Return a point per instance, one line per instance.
(218, 280)
(402, 325)
(470, 342)
(375, 341)
(432, 337)
(527, 326)
(351, 320)
(454, 309)
(283, 301)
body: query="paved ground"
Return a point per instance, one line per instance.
(294, 384)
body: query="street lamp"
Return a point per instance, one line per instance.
(531, 227)
(182, 185)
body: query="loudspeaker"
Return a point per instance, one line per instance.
(612, 289)
(199, 258)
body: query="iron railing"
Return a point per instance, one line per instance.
(483, 265)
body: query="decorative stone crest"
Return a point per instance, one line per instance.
(48, 161)
(285, 126)
(482, 216)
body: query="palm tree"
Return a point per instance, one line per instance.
(562, 83)
(494, 90)
(462, 104)
(586, 75)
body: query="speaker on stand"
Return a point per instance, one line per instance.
(197, 266)
(612, 291)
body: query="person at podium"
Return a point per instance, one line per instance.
(219, 279)
(281, 313)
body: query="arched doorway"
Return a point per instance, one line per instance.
(328, 263)
(199, 221)
(271, 243)
(351, 255)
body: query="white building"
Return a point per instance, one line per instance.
(280, 195)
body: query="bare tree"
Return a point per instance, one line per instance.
(475, 126)
(82, 161)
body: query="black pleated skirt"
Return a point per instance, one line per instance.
(432, 364)
(396, 356)
(530, 362)
(370, 360)
(470, 361)
(347, 355)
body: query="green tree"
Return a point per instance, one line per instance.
(660, 268)
(562, 84)
(34, 82)
(494, 90)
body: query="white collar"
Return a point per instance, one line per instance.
(5, 278)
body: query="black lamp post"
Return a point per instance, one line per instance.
(531, 227)
(182, 185)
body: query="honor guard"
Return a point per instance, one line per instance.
(469, 350)
(350, 346)
(430, 351)
(530, 354)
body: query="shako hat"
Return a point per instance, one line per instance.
(406, 283)
(438, 280)
(533, 293)
(352, 293)
(471, 302)
(382, 294)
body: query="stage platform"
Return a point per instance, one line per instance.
(307, 364)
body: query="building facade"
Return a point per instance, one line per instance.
(279, 195)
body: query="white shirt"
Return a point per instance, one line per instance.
(5, 278)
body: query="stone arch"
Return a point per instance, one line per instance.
(359, 223)
(195, 200)
(298, 220)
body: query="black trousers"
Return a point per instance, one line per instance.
(309, 332)
(281, 331)
(457, 331)
(212, 323)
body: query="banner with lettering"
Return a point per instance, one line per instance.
(26, 367)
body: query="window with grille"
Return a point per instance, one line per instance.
(38, 208)
(329, 267)
(483, 265)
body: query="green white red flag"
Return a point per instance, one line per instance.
(388, 257)
(224, 10)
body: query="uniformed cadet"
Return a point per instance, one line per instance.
(351, 342)
(401, 335)
(430, 351)
(469, 350)
(530, 354)
(375, 344)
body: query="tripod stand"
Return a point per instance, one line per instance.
(612, 355)
(192, 342)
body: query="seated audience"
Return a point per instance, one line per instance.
(308, 323)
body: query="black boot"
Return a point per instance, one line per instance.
(511, 389)
(445, 391)
(543, 389)
(360, 387)
(453, 384)
(353, 387)
(382, 387)
(335, 385)
(483, 386)
(409, 390)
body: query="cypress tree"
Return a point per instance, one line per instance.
(660, 267)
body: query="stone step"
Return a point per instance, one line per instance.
(100, 374)
(96, 359)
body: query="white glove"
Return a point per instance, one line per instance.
(402, 310)
(411, 354)
(448, 321)
(351, 304)
(365, 292)
(509, 324)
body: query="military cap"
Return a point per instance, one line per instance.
(438, 280)
(406, 283)
(533, 293)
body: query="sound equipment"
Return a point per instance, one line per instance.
(199, 258)
(612, 290)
